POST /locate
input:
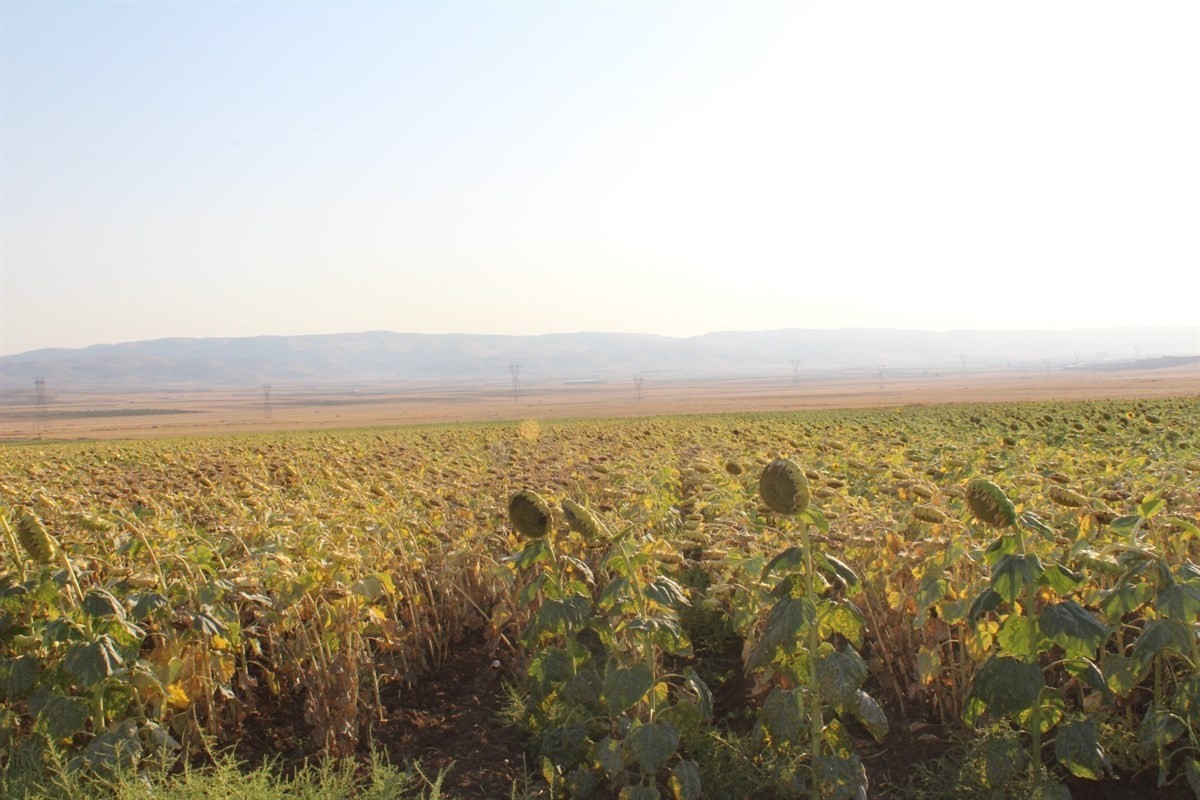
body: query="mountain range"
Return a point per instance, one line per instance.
(386, 357)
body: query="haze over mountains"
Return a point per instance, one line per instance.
(385, 357)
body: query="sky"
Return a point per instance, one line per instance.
(240, 169)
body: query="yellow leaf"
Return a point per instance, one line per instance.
(177, 697)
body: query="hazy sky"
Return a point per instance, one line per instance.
(234, 169)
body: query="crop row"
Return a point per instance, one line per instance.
(155, 594)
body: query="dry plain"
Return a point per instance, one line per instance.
(84, 415)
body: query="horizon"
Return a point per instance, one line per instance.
(219, 171)
(1109, 328)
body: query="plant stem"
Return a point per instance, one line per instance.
(814, 647)
(1028, 600)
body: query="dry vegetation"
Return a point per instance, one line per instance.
(655, 608)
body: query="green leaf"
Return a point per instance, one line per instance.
(685, 716)
(537, 550)
(987, 601)
(91, 662)
(666, 592)
(1003, 759)
(813, 516)
(1072, 628)
(1160, 636)
(784, 623)
(1051, 708)
(1160, 727)
(1061, 579)
(583, 688)
(625, 687)
(871, 716)
(685, 781)
(581, 782)
(1122, 673)
(1007, 544)
(1191, 768)
(1013, 573)
(843, 618)
(934, 587)
(653, 744)
(1186, 700)
(580, 566)
(207, 624)
(1091, 676)
(838, 569)
(786, 561)
(617, 587)
(561, 616)
(1179, 601)
(608, 756)
(639, 791)
(840, 674)
(146, 605)
(698, 687)
(566, 746)
(553, 665)
(1077, 747)
(1126, 524)
(1125, 599)
(114, 749)
(1034, 523)
(370, 588)
(1004, 687)
(101, 603)
(1151, 506)
(841, 777)
(1019, 636)
(782, 716)
(63, 717)
(18, 675)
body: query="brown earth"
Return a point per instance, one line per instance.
(95, 415)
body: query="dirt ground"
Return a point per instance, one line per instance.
(75, 415)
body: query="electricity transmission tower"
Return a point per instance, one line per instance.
(637, 382)
(795, 370)
(39, 402)
(515, 368)
(266, 401)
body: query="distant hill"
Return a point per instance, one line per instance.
(381, 356)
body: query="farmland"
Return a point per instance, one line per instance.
(1013, 586)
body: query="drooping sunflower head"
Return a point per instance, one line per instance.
(990, 504)
(529, 514)
(784, 487)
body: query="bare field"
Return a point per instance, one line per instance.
(95, 415)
